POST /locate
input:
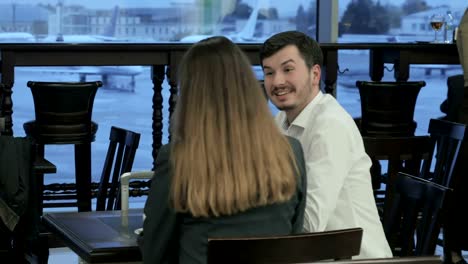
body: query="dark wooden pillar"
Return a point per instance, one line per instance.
(175, 58)
(376, 65)
(6, 103)
(330, 71)
(157, 75)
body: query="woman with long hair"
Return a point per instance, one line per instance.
(228, 172)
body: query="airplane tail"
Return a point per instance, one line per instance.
(249, 29)
(109, 31)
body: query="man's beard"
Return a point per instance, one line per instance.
(285, 107)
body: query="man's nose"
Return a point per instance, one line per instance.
(278, 80)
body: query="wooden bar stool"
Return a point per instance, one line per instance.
(387, 110)
(63, 116)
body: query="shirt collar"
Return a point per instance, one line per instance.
(303, 118)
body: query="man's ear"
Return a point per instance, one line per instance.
(316, 72)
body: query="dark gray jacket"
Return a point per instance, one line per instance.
(170, 237)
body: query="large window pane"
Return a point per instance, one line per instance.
(152, 21)
(117, 103)
(394, 21)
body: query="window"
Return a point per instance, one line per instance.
(393, 21)
(173, 20)
(243, 21)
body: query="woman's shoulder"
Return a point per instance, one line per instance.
(295, 144)
(163, 153)
(297, 150)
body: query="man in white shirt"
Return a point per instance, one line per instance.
(339, 191)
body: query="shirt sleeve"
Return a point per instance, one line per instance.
(328, 157)
(160, 225)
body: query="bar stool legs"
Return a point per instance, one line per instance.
(83, 176)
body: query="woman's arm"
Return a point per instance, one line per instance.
(160, 239)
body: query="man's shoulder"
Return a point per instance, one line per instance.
(331, 112)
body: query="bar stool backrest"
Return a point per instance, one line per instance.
(387, 108)
(63, 111)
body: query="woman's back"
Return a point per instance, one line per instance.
(172, 237)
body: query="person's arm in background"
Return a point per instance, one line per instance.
(462, 43)
(160, 225)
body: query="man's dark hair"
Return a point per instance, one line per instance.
(308, 48)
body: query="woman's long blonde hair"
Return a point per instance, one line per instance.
(227, 153)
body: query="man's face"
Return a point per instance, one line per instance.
(289, 84)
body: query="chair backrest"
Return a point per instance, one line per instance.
(447, 137)
(63, 108)
(408, 260)
(402, 154)
(414, 210)
(387, 108)
(119, 159)
(338, 244)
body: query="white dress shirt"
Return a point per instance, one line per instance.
(339, 189)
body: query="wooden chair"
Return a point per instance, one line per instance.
(401, 260)
(119, 159)
(414, 210)
(63, 113)
(402, 154)
(387, 108)
(446, 138)
(338, 244)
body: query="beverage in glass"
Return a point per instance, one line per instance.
(437, 22)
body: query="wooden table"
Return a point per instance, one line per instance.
(98, 237)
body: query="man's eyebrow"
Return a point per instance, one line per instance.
(283, 63)
(287, 61)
